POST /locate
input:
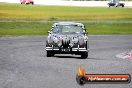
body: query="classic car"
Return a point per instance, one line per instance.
(67, 38)
(27, 2)
(115, 3)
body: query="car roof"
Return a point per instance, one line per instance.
(68, 23)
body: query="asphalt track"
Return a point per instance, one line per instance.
(23, 62)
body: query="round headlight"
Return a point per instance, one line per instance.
(60, 43)
(55, 40)
(49, 39)
(75, 40)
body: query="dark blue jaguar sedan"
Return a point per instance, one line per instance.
(115, 3)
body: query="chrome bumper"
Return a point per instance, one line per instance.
(73, 49)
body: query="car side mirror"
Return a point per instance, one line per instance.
(85, 32)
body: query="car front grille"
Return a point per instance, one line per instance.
(65, 43)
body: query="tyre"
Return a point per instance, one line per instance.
(27, 3)
(84, 55)
(50, 54)
(122, 5)
(32, 3)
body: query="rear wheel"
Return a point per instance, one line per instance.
(50, 53)
(84, 55)
(32, 3)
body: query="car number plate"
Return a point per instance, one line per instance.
(65, 50)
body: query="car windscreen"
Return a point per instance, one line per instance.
(67, 29)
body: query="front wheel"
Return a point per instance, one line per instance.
(84, 55)
(50, 53)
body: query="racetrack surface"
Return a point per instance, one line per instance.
(23, 62)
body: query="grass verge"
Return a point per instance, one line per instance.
(41, 28)
(39, 12)
(98, 20)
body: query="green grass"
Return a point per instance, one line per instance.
(24, 28)
(41, 28)
(109, 28)
(99, 20)
(38, 12)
